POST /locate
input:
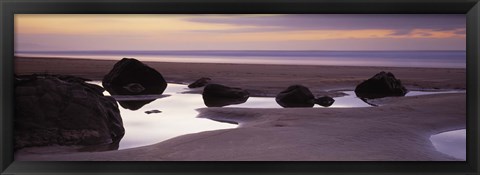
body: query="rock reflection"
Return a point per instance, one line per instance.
(134, 105)
(135, 102)
(221, 102)
(367, 102)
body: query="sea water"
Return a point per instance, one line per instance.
(432, 59)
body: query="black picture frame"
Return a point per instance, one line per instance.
(8, 8)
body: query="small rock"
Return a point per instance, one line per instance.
(153, 111)
(324, 101)
(295, 96)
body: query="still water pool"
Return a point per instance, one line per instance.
(150, 119)
(452, 143)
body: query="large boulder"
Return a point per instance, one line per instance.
(215, 95)
(64, 110)
(295, 96)
(199, 83)
(383, 84)
(131, 77)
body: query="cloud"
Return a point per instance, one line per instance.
(401, 24)
(107, 24)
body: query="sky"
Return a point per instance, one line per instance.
(61, 32)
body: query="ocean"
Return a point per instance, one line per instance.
(430, 59)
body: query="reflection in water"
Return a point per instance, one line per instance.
(258, 102)
(135, 102)
(125, 91)
(369, 103)
(452, 143)
(177, 117)
(133, 89)
(350, 100)
(416, 93)
(134, 105)
(347, 101)
(212, 101)
(178, 113)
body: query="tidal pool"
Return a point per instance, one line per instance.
(176, 116)
(150, 119)
(416, 93)
(452, 143)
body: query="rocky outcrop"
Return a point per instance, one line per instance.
(199, 83)
(381, 85)
(131, 77)
(295, 96)
(64, 110)
(324, 101)
(215, 95)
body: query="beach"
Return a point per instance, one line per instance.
(398, 129)
(258, 79)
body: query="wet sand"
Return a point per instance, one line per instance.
(399, 129)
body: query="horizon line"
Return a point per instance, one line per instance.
(39, 51)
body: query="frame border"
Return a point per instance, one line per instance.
(10, 7)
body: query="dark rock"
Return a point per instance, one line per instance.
(215, 95)
(131, 77)
(324, 101)
(134, 88)
(70, 78)
(295, 96)
(200, 83)
(153, 111)
(381, 85)
(64, 110)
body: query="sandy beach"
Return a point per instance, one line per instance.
(259, 80)
(399, 129)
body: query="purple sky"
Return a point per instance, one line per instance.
(240, 32)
